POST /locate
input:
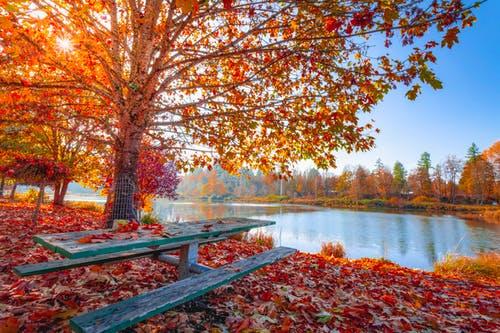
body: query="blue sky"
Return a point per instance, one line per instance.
(444, 121)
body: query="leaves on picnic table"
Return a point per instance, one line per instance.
(98, 238)
(302, 293)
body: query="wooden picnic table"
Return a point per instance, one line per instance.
(91, 247)
(69, 244)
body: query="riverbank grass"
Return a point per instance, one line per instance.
(261, 238)
(335, 250)
(483, 266)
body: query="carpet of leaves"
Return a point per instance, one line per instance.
(303, 293)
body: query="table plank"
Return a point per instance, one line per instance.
(67, 243)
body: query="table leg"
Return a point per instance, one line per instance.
(188, 255)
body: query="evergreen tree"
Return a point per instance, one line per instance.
(425, 161)
(473, 152)
(399, 178)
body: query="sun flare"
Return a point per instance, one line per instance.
(64, 44)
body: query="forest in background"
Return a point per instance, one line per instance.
(473, 179)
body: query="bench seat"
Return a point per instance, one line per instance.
(118, 316)
(58, 265)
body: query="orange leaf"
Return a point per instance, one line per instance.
(85, 240)
(9, 325)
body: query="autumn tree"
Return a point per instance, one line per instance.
(492, 155)
(343, 183)
(213, 186)
(361, 185)
(255, 83)
(478, 176)
(452, 168)
(420, 179)
(382, 178)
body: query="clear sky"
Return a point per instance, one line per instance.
(444, 121)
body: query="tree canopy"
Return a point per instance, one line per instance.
(238, 83)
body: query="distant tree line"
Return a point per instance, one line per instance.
(475, 179)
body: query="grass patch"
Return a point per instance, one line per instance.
(149, 219)
(483, 266)
(335, 250)
(261, 238)
(86, 205)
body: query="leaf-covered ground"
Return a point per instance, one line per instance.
(304, 293)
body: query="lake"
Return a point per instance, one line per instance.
(408, 239)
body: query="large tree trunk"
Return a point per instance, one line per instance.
(125, 175)
(60, 190)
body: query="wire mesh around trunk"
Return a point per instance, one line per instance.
(123, 201)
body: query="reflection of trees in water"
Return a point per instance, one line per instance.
(168, 211)
(428, 238)
(214, 211)
(402, 233)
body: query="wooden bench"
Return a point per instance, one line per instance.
(59, 265)
(124, 314)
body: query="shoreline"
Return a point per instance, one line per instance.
(483, 213)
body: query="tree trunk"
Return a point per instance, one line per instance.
(57, 191)
(39, 201)
(2, 185)
(60, 189)
(125, 175)
(13, 192)
(64, 190)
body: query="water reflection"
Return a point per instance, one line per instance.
(408, 239)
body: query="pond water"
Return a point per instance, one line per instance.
(408, 239)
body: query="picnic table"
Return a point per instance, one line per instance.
(107, 246)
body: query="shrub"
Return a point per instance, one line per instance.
(483, 266)
(261, 238)
(395, 202)
(31, 195)
(423, 198)
(149, 219)
(276, 198)
(86, 205)
(335, 250)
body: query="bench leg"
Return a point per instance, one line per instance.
(188, 256)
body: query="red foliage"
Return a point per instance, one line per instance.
(302, 293)
(156, 176)
(33, 170)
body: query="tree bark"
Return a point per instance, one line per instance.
(64, 190)
(57, 191)
(13, 192)
(125, 175)
(2, 185)
(39, 201)
(60, 190)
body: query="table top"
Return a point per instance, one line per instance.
(90, 243)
